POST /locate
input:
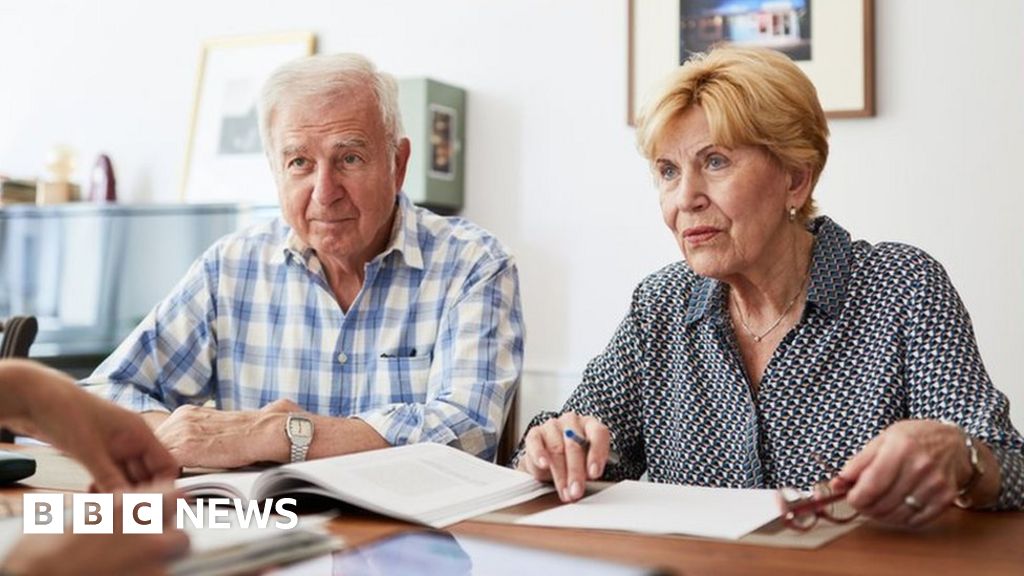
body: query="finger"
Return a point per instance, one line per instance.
(892, 500)
(159, 462)
(136, 471)
(575, 458)
(920, 478)
(536, 459)
(171, 497)
(597, 434)
(936, 494)
(554, 442)
(106, 475)
(873, 475)
(155, 549)
(874, 483)
(175, 545)
(897, 504)
(855, 466)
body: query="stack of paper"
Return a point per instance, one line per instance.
(666, 509)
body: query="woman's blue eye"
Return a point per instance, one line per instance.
(297, 163)
(669, 172)
(716, 161)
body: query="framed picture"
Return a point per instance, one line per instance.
(831, 40)
(224, 160)
(442, 142)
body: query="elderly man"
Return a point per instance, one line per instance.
(359, 322)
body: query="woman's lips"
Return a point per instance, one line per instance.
(699, 235)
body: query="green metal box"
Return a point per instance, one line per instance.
(434, 117)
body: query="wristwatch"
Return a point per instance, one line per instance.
(300, 433)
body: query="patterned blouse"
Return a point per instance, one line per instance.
(884, 337)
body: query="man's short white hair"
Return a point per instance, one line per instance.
(326, 75)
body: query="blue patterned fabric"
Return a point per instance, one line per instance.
(884, 337)
(429, 351)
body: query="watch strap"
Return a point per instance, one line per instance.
(298, 453)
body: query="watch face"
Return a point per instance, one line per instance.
(300, 427)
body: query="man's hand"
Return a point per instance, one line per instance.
(115, 445)
(213, 438)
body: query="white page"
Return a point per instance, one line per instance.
(666, 509)
(226, 484)
(429, 483)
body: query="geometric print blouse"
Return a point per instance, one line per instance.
(884, 337)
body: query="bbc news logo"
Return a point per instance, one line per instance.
(144, 513)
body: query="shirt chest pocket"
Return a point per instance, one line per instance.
(402, 379)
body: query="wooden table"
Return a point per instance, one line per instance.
(959, 543)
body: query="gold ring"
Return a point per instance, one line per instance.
(913, 503)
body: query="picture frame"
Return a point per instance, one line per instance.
(831, 40)
(442, 141)
(224, 159)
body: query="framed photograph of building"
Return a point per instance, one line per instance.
(224, 160)
(831, 40)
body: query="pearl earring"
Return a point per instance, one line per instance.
(792, 213)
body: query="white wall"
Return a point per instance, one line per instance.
(551, 164)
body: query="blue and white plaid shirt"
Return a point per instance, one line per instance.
(430, 350)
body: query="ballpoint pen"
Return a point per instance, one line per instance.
(613, 456)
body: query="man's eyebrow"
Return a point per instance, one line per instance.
(350, 143)
(292, 150)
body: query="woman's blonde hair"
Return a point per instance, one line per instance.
(750, 97)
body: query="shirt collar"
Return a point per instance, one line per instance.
(405, 234)
(831, 266)
(404, 239)
(830, 274)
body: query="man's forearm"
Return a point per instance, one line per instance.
(213, 438)
(331, 437)
(336, 436)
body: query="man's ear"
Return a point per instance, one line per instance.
(401, 161)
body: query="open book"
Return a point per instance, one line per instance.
(430, 484)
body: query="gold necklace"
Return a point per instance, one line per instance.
(792, 302)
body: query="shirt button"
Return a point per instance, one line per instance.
(342, 358)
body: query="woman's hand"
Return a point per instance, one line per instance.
(550, 456)
(117, 553)
(910, 473)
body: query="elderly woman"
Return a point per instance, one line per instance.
(781, 350)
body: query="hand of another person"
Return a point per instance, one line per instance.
(551, 457)
(115, 445)
(908, 474)
(212, 438)
(117, 553)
